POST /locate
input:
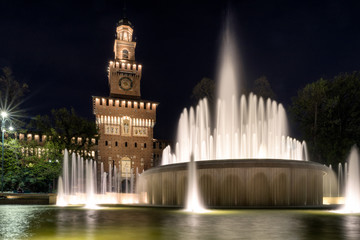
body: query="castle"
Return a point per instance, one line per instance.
(125, 121)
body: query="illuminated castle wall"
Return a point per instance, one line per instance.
(125, 121)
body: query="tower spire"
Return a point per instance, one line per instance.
(124, 9)
(124, 20)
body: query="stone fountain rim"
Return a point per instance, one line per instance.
(240, 163)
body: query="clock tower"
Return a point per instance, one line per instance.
(124, 72)
(125, 121)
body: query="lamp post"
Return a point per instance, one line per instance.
(4, 118)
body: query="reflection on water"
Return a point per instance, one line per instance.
(50, 222)
(15, 221)
(233, 225)
(352, 226)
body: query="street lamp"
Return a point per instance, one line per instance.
(4, 118)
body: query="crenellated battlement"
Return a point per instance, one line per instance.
(122, 103)
(123, 66)
(40, 138)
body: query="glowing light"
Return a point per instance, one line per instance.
(4, 114)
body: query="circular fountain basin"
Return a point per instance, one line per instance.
(239, 182)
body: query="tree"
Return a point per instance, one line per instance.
(10, 89)
(328, 113)
(66, 129)
(41, 166)
(30, 166)
(204, 88)
(12, 93)
(306, 107)
(12, 164)
(262, 88)
(26, 164)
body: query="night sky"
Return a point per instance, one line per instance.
(61, 49)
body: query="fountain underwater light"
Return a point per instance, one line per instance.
(247, 159)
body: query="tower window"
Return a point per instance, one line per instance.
(126, 144)
(144, 145)
(106, 143)
(116, 144)
(135, 144)
(125, 54)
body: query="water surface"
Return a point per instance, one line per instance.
(51, 222)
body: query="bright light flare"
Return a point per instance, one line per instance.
(4, 114)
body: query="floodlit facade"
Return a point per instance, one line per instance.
(125, 121)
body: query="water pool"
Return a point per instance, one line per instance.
(51, 222)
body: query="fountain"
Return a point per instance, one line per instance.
(352, 191)
(331, 188)
(340, 178)
(194, 201)
(79, 183)
(247, 159)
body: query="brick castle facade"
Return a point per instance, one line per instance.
(126, 121)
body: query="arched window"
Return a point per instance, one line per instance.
(125, 54)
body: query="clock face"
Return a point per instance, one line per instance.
(125, 83)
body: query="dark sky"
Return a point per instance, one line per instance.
(62, 48)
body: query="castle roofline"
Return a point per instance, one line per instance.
(126, 98)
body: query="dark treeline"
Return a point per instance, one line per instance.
(328, 114)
